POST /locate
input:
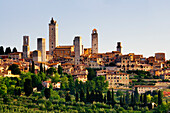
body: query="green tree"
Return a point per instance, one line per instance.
(149, 98)
(47, 93)
(11, 90)
(141, 98)
(33, 67)
(127, 98)
(51, 71)
(14, 50)
(87, 95)
(77, 97)
(108, 96)
(119, 93)
(101, 84)
(60, 70)
(28, 89)
(71, 85)
(155, 99)
(136, 94)
(82, 98)
(41, 68)
(113, 100)
(14, 69)
(68, 98)
(64, 83)
(36, 81)
(92, 96)
(121, 101)
(145, 99)
(91, 74)
(3, 89)
(8, 50)
(132, 99)
(105, 99)
(2, 50)
(160, 97)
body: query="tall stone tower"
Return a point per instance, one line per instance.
(77, 49)
(41, 46)
(94, 41)
(53, 35)
(26, 47)
(119, 47)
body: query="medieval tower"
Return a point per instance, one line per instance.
(119, 47)
(94, 41)
(53, 35)
(26, 47)
(41, 46)
(77, 49)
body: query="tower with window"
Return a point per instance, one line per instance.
(53, 35)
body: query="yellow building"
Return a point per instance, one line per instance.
(114, 78)
(63, 51)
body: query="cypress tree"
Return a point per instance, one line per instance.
(141, 98)
(127, 97)
(108, 96)
(104, 98)
(159, 98)
(14, 50)
(100, 97)
(41, 68)
(92, 97)
(68, 98)
(113, 100)
(124, 102)
(77, 97)
(28, 89)
(132, 99)
(33, 67)
(136, 94)
(121, 101)
(47, 93)
(81, 95)
(145, 99)
(87, 95)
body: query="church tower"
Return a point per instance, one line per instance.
(119, 47)
(94, 41)
(53, 35)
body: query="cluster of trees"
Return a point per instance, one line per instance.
(7, 50)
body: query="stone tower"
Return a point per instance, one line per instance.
(119, 47)
(77, 49)
(41, 46)
(26, 47)
(53, 35)
(94, 41)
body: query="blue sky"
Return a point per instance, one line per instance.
(143, 26)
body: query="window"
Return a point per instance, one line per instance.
(108, 77)
(52, 47)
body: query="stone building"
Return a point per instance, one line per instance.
(37, 56)
(41, 46)
(94, 41)
(160, 57)
(26, 47)
(53, 36)
(63, 51)
(77, 49)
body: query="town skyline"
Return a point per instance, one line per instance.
(109, 35)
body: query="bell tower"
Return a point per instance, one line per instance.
(94, 41)
(53, 35)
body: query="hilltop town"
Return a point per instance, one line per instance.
(112, 70)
